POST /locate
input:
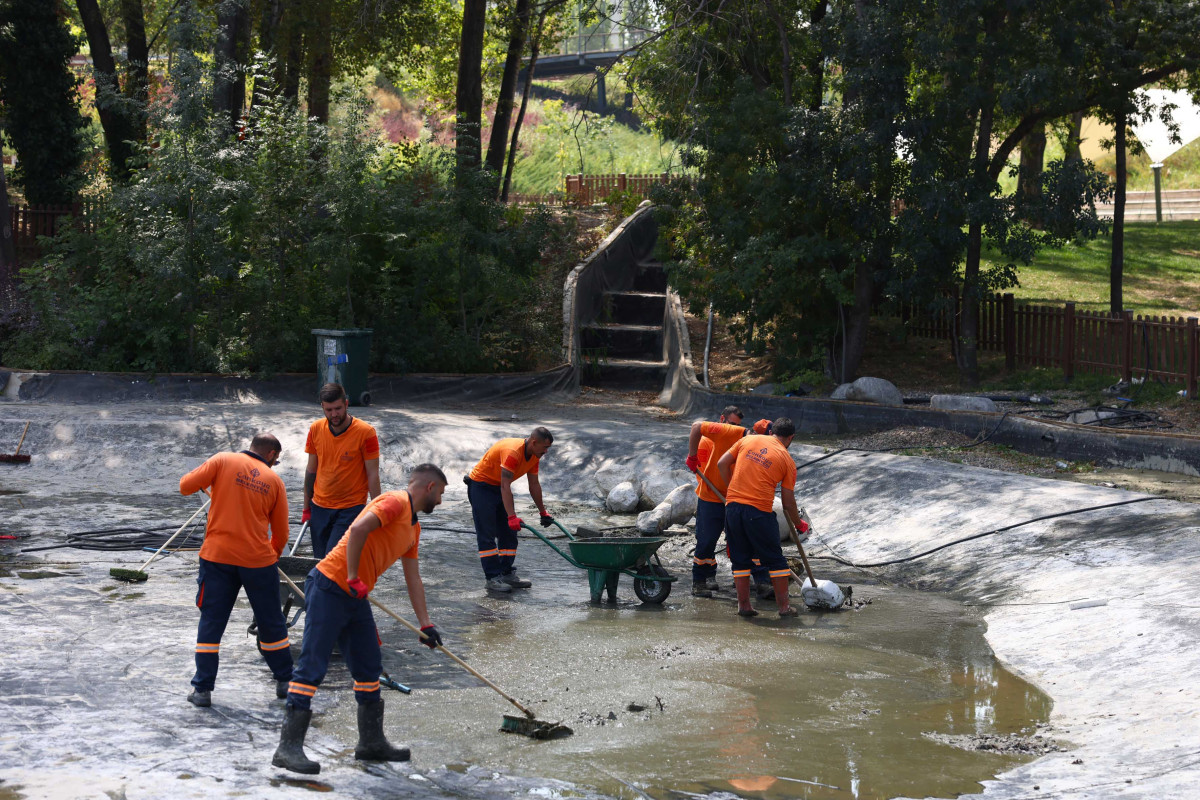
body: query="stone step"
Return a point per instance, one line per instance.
(625, 373)
(635, 308)
(650, 277)
(615, 340)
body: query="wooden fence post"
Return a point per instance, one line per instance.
(622, 181)
(1127, 354)
(1068, 343)
(1193, 357)
(1010, 333)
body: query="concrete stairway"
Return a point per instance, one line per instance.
(623, 348)
(1177, 204)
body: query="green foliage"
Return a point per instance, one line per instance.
(38, 90)
(224, 252)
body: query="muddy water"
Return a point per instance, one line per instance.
(824, 705)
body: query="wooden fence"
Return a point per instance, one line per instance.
(588, 189)
(1165, 348)
(30, 222)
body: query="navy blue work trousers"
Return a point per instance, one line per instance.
(218, 590)
(497, 542)
(332, 615)
(753, 533)
(710, 523)
(327, 526)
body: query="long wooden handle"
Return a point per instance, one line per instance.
(176, 533)
(26, 430)
(456, 659)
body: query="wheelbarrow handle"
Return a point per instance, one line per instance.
(553, 546)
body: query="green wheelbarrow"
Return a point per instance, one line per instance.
(607, 558)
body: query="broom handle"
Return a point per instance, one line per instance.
(456, 659)
(176, 533)
(795, 538)
(26, 430)
(420, 633)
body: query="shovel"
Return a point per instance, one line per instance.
(819, 595)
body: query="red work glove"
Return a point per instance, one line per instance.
(693, 463)
(763, 427)
(305, 515)
(358, 588)
(514, 523)
(802, 527)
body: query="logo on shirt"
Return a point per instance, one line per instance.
(347, 457)
(250, 481)
(254, 473)
(759, 458)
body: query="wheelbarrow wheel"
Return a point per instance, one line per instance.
(650, 589)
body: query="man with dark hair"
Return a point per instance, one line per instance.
(753, 469)
(247, 500)
(489, 489)
(337, 609)
(343, 469)
(706, 444)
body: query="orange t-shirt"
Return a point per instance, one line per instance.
(720, 438)
(760, 464)
(506, 454)
(247, 499)
(396, 537)
(341, 462)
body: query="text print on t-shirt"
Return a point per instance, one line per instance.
(250, 481)
(759, 457)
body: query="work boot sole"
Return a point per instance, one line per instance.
(747, 612)
(304, 769)
(790, 611)
(395, 754)
(200, 699)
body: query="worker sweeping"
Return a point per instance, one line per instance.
(707, 442)
(337, 608)
(489, 489)
(753, 469)
(247, 500)
(342, 471)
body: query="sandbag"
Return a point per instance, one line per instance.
(826, 595)
(678, 508)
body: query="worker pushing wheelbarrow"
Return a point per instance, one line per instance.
(607, 558)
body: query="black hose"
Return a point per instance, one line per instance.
(972, 537)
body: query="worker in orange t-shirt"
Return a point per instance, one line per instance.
(489, 489)
(753, 469)
(343, 469)
(706, 444)
(337, 609)
(247, 500)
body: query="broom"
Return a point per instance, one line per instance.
(528, 725)
(16, 457)
(139, 575)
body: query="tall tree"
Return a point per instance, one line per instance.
(468, 95)
(231, 54)
(8, 253)
(519, 24)
(39, 93)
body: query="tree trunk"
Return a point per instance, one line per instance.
(1033, 158)
(268, 40)
(1116, 267)
(508, 84)
(534, 46)
(468, 96)
(1071, 150)
(115, 124)
(8, 250)
(229, 56)
(318, 39)
(137, 76)
(816, 64)
(289, 53)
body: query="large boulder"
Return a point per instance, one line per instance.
(678, 507)
(623, 499)
(840, 392)
(873, 390)
(610, 475)
(961, 402)
(660, 483)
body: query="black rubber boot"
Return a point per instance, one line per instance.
(372, 745)
(290, 753)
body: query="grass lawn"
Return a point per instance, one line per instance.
(1162, 271)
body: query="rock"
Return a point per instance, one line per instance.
(657, 485)
(874, 390)
(623, 499)
(676, 509)
(840, 392)
(610, 475)
(961, 402)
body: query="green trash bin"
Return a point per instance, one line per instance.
(342, 357)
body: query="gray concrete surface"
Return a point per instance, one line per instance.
(94, 672)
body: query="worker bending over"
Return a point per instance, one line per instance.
(343, 469)
(337, 609)
(753, 469)
(489, 489)
(706, 444)
(247, 500)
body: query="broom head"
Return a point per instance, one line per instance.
(14, 458)
(128, 575)
(534, 728)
